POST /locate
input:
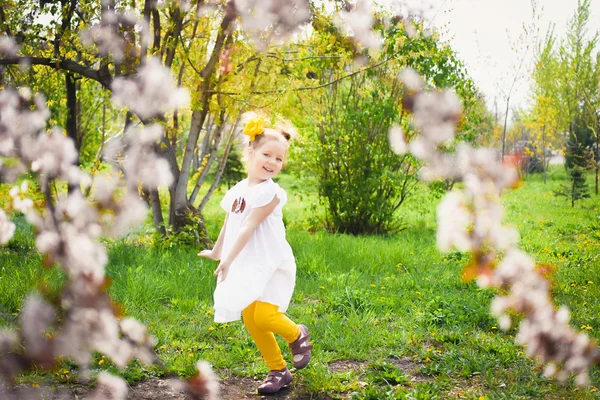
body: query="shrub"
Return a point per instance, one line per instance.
(359, 177)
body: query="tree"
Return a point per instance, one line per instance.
(575, 81)
(183, 40)
(524, 43)
(577, 188)
(592, 112)
(361, 179)
(234, 169)
(543, 130)
(565, 89)
(358, 177)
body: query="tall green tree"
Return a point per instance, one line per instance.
(566, 73)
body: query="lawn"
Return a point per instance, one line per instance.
(389, 315)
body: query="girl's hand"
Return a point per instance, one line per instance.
(222, 271)
(209, 254)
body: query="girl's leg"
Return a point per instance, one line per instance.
(264, 339)
(268, 318)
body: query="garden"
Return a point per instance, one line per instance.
(430, 264)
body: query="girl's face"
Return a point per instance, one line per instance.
(266, 161)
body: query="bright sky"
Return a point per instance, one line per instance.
(479, 31)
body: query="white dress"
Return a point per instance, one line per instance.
(265, 269)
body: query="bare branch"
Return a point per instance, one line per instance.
(101, 75)
(302, 88)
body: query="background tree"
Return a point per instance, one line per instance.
(522, 46)
(565, 89)
(361, 182)
(542, 127)
(577, 188)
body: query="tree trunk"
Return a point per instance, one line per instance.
(544, 152)
(71, 123)
(179, 201)
(504, 131)
(221, 168)
(159, 223)
(213, 154)
(597, 154)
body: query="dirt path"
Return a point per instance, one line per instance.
(233, 389)
(230, 389)
(159, 389)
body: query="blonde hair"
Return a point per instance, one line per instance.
(278, 133)
(283, 131)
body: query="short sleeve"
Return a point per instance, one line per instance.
(282, 195)
(227, 200)
(263, 194)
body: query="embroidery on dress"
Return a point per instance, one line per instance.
(239, 205)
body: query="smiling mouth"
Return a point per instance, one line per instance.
(268, 170)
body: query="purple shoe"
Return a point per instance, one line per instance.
(301, 348)
(276, 380)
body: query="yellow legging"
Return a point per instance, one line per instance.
(262, 320)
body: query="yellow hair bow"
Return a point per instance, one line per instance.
(255, 127)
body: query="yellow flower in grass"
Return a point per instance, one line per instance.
(254, 127)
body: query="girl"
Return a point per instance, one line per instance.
(257, 271)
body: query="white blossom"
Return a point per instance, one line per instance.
(212, 381)
(36, 317)
(134, 330)
(153, 92)
(504, 322)
(133, 211)
(110, 387)
(411, 79)
(359, 25)
(204, 385)
(471, 220)
(397, 140)
(56, 154)
(454, 221)
(8, 47)
(266, 20)
(7, 228)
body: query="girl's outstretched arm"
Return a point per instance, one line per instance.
(256, 216)
(215, 253)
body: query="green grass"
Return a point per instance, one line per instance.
(379, 302)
